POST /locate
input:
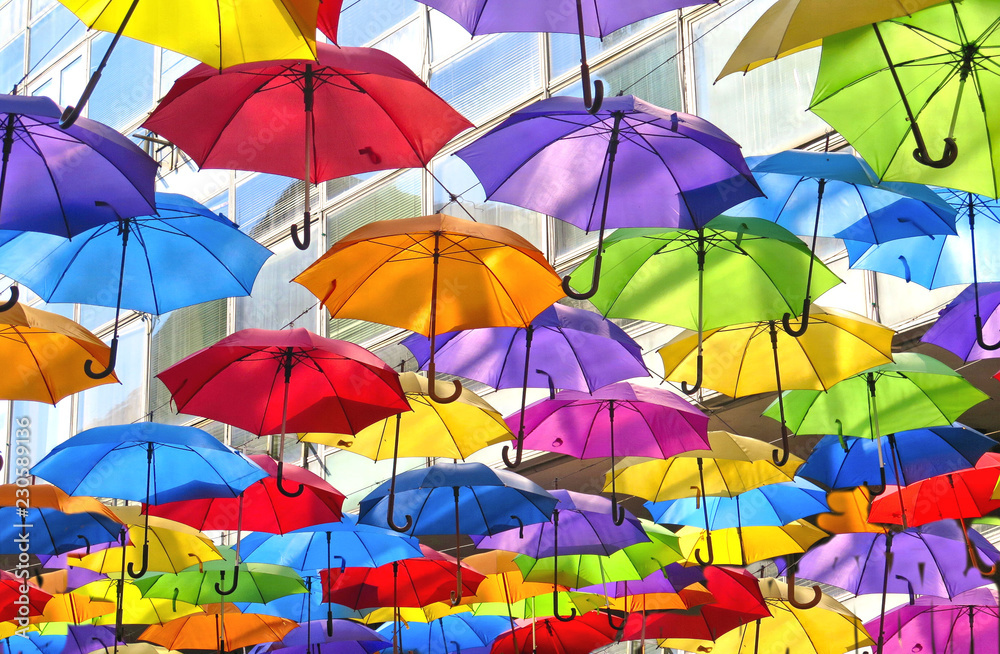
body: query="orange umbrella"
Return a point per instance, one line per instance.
(434, 274)
(67, 607)
(208, 631)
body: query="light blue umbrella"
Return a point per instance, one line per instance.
(452, 633)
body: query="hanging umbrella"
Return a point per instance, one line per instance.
(52, 523)
(951, 330)
(338, 386)
(656, 423)
(393, 272)
(845, 462)
(966, 623)
(454, 430)
(34, 600)
(841, 344)
(207, 631)
(905, 84)
(300, 607)
(452, 633)
(527, 160)
(47, 352)
(552, 636)
(83, 639)
(181, 237)
(574, 349)
(351, 111)
(790, 26)
(62, 578)
(71, 608)
(486, 501)
(673, 587)
(342, 636)
(849, 512)
(134, 608)
(258, 31)
(837, 195)
(147, 462)
(732, 270)
(747, 545)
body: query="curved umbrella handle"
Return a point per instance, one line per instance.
(458, 648)
(840, 435)
(505, 454)
(611, 621)
(520, 526)
(15, 293)
(979, 336)
(222, 578)
(817, 592)
(909, 589)
(697, 381)
(595, 281)
(88, 365)
(145, 563)
(303, 243)
(390, 509)
(550, 380)
(555, 609)
(711, 551)
(617, 513)
(85, 540)
(280, 478)
(922, 156)
(780, 457)
(803, 326)
(432, 386)
(875, 491)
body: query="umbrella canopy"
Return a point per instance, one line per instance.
(135, 608)
(747, 544)
(552, 636)
(339, 636)
(62, 182)
(13, 587)
(206, 631)
(967, 623)
(53, 523)
(71, 608)
(905, 85)
(954, 328)
(917, 454)
(27, 333)
(452, 633)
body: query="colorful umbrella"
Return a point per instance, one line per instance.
(745, 545)
(351, 111)
(896, 87)
(341, 636)
(45, 353)
(841, 344)
(529, 159)
(951, 329)
(180, 237)
(732, 270)
(552, 636)
(16, 588)
(71, 608)
(488, 276)
(338, 386)
(452, 633)
(966, 623)
(657, 423)
(133, 607)
(50, 522)
(207, 631)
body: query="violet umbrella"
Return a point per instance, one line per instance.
(656, 422)
(967, 622)
(927, 560)
(556, 158)
(954, 329)
(573, 349)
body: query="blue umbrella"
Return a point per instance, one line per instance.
(452, 633)
(182, 255)
(838, 195)
(300, 607)
(147, 462)
(469, 498)
(33, 643)
(50, 531)
(916, 454)
(773, 505)
(936, 261)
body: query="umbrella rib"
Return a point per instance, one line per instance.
(62, 275)
(45, 381)
(149, 265)
(55, 187)
(680, 193)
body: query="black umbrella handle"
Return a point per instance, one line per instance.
(280, 479)
(711, 551)
(595, 279)
(875, 491)
(222, 578)
(909, 589)
(691, 390)
(611, 621)
(980, 339)
(15, 293)
(786, 320)
(132, 572)
(391, 508)
(88, 365)
(303, 242)
(923, 156)
(593, 101)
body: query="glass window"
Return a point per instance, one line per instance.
(363, 21)
(264, 202)
(71, 82)
(447, 37)
(247, 442)
(51, 35)
(564, 49)
(493, 74)
(176, 335)
(460, 180)
(341, 185)
(406, 44)
(38, 6)
(12, 17)
(764, 110)
(172, 66)
(12, 64)
(276, 301)
(650, 72)
(45, 426)
(355, 476)
(114, 404)
(851, 294)
(899, 300)
(126, 89)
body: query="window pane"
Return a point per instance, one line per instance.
(12, 17)
(114, 404)
(899, 300)
(355, 476)
(126, 89)
(406, 44)
(650, 72)
(71, 81)
(45, 426)
(493, 74)
(265, 202)
(38, 6)
(763, 110)
(12, 64)
(341, 185)
(52, 35)
(276, 301)
(248, 443)
(447, 37)
(565, 48)
(363, 21)
(172, 66)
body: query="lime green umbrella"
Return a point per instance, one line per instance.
(912, 392)
(257, 582)
(914, 95)
(734, 270)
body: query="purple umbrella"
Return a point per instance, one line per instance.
(656, 422)
(345, 636)
(967, 623)
(591, 18)
(955, 329)
(83, 639)
(574, 348)
(555, 157)
(672, 579)
(929, 560)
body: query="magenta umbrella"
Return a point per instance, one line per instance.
(656, 422)
(966, 623)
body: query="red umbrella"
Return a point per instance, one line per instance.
(328, 18)
(14, 589)
(351, 111)
(738, 600)
(552, 636)
(271, 382)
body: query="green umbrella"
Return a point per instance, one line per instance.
(913, 392)
(541, 606)
(921, 84)
(258, 582)
(734, 270)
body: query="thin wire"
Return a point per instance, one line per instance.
(47, 53)
(304, 312)
(453, 197)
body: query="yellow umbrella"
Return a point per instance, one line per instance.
(135, 608)
(434, 274)
(826, 628)
(749, 544)
(791, 26)
(732, 465)
(427, 613)
(761, 357)
(43, 355)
